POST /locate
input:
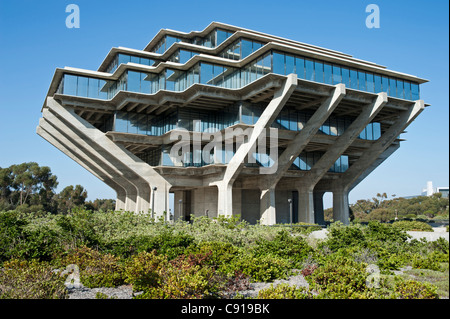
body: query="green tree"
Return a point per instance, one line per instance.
(71, 197)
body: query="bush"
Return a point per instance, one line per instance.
(411, 289)
(341, 236)
(284, 291)
(96, 269)
(412, 226)
(21, 279)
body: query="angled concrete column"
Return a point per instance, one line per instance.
(319, 217)
(340, 206)
(236, 163)
(74, 141)
(86, 164)
(138, 172)
(267, 207)
(297, 145)
(347, 180)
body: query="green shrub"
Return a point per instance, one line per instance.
(411, 289)
(142, 270)
(286, 246)
(284, 291)
(21, 279)
(341, 236)
(96, 269)
(259, 268)
(412, 226)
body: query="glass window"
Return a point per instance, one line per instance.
(309, 67)
(354, 79)
(278, 63)
(362, 80)
(303, 166)
(376, 130)
(415, 92)
(124, 59)
(134, 59)
(246, 116)
(206, 73)
(285, 119)
(370, 82)
(121, 123)
(328, 74)
(369, 132)
(385, 84)
(185, 56)
(247, 48)
(134, 79)
(340, 126)
(300, 67)
(93, 88)
(82, 89)
(318, 68)
(256, 45)
(407, 87)
(377, 84)
(169, 41)
(337, 77)
(400, 92)
(70, 84)
(362, 135)
(290, 64)
(145, 83)
(392, 87)
(346, 76)
(221, 36)
(333, 127)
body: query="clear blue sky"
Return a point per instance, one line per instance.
(412, 38)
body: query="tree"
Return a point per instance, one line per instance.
(70, 197)
(27, 184)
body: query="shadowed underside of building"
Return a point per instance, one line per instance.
(231, 121)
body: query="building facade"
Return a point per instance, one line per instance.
(232, 121)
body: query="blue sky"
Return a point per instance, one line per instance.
(412, 38)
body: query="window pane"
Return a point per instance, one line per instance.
(246, 115)
(385, 84)
(134, 79)
(121, 123)
(354, 79)
(369, 134)
(246, 48)
(370, 82)
(400, 93)
(346, 76)
(309, 65)
(415, 93)
(82, 86)
(318, 68)
(376, 130)
(135, 59)
(206, 73)
(300, 67)
(124, 59)
(221, 36)
(337, 77)
(407, 87)
(392, 87)
(378, 87)
(362, 81)
(70, 84)
(328, 74)
(93, 88)
(278, 63)
(290, 66)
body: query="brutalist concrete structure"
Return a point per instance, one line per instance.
(289, 121)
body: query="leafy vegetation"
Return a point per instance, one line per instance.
(209, 258)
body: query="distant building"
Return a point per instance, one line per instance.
(430, 190)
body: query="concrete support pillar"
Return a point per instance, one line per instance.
(267, 207)
(225, 199)
(159, 200)
(341, 206)
(319, 217)
(305, 205)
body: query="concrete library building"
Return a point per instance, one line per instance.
(231, 122)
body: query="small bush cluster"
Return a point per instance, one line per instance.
(208, 258)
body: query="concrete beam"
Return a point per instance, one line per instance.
(88, 165)
(235, 165)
